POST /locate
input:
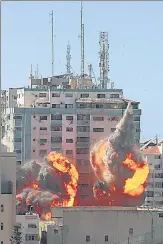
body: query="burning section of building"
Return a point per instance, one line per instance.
(42, 185)
(119, 167)
(120, 171)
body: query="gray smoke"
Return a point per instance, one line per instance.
(110, 169)
(51, 187)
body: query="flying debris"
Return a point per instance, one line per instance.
(43, 185)
(119, 167)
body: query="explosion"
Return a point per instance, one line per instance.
(47, 184)
(119, 167)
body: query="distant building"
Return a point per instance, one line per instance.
(7, 196)
(153, 153)
(105, 225)
(48, 118)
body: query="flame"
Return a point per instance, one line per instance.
(134, 186)
(63, 166)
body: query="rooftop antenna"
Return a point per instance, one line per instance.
(37, 71)
(31, 75)
(68, 57)
(82, 41)
(52, 32)
(104, 60)
(156, 139)
(90, 70)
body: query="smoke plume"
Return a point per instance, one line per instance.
(43, 185)
(119, 166)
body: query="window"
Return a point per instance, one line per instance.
(32, 226)
(18, 128)
(157, 156)
(42, 94)
(84, 95)
(43, 128)
(18, 162)
(17, 139)
(55, 231)
(136, 118)
(83, 139)
(43, 117)
(159, 175)
(160, 215)
(34, 139)
(98, 118)
(69, 140)
(87, 238)
(82, 150)
(114, 95)
(83, 128)
(1, 242)
(69, 117)
(15, 97)
(56, 117)
(83, 185)
(55, 105)
(68, 105)
(131, 232)
(100, 95)
(2, 208)
(33, 150)
(98, 129)
(83, 117)
(43, 141)
(106, 239)
(135, 106)
(56, 139)
(99, 105)
(43, 153)
(2, 227)
(56, 128)
(55, 94)
(150, 194)
(70, 129)
(34, 128)
(17, 117)
(137, 130)
(113, 129)
(82, 162)
(69, 95)
(17, 151)
(69, 152)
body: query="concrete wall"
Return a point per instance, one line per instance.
(97, 223)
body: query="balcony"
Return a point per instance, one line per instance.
(6, 187)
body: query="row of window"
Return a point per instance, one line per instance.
(152, 194)
(156, 175)
(157, 184)
(29, 237)
(79, 117)
(84, 95)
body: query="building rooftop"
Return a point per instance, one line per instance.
(152, 150)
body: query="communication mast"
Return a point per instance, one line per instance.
(82, 41)
(104, 59)
(68, 57)
(90, 70)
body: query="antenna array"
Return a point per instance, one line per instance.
(104, 59)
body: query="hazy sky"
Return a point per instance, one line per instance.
(136, 47)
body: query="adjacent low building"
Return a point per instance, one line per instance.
(29, 227)
(7, 196)
(105, 225)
